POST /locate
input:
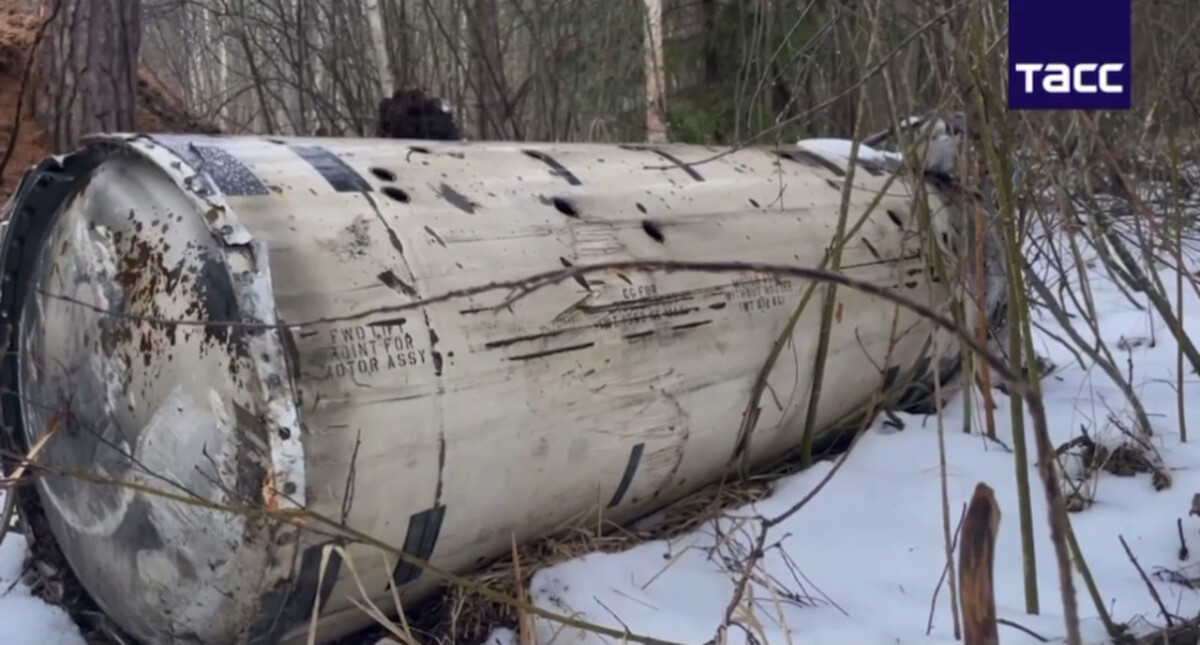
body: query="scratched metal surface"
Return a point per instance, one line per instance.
(459, 424)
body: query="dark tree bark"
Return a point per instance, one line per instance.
(487, 71)
(87, 68)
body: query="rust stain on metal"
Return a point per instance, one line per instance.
(270, 493)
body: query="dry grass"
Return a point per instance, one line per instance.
(460, 615)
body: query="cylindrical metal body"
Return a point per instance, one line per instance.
(447, 430)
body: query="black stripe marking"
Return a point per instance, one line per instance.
(337, 172)
(874, 253)
(813, 160)
(669, 157)
(635, 457)
(889, 377)
(287, 606)
(551, 352)
(556, 168)
(419, 542)
(232, 177)
(309, 578)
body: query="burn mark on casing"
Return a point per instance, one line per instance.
(669, 157)
(896, 219)
(551, 352)
(654, 231)
(419, 542)
(436, 238)
(556, 168)
(393, 238)
(332, 168)
(874, 253)
(561, 205)
(806, 158)
(433, 351)
(639, 334)
(521, 339)
(396, 284)
(456, 199)
(631, 466)
(252, 487)
(578, 278)
(441, 475)
(691, 325)
(389, 322)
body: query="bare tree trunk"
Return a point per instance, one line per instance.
(487, 69)
(383, 58)
(88, 63)
(656, 128)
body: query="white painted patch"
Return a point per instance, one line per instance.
(841, 148)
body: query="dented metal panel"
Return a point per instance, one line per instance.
(448, 429)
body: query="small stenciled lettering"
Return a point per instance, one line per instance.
(364, 350)
(759, 294)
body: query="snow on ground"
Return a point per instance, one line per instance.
(864, 556)
(24, 619)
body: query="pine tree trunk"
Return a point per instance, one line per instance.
(87, 64)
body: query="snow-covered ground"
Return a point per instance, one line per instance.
(24, 619)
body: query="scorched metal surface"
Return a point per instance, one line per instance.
(145, 277)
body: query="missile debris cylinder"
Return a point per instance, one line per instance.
(213, 341)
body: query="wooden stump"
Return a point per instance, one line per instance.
(975, 556)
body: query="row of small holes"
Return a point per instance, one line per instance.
(566, 208)
(383, 174)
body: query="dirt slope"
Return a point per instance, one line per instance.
(158, 110)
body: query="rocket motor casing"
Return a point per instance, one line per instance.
(217, 317)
